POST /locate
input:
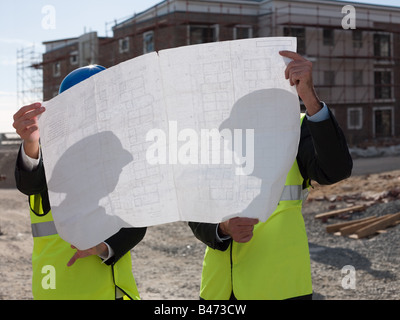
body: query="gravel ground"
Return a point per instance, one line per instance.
(167, 263)
(376, 260)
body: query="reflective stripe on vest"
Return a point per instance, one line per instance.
(43, 229)
(294, 193)
(86, 279)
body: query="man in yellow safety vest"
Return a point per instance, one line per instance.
(60, 271)
(247, 259)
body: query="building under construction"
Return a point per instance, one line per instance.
(356, 71)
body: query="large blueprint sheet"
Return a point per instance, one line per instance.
(198, 133)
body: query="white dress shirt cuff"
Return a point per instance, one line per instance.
(220, 239)
(110, 253)
(321, 115)
(29, 163)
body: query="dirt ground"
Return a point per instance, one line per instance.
(167, 263)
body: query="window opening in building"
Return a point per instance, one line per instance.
(358, 76)
(382, 45)
(148, 42)
(383, 122)
(242, 32)
(329, 78)
(124, 45)
(357, 38)
(383, 80)
(57, 69)
(354, 118)
(300, 33)
(73, 58)
(203, 34)
(328, 37)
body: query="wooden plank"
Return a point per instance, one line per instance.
(337, 226)
(353, 228)
(387, 221)
(340, 211)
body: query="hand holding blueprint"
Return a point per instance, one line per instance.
(198, 133)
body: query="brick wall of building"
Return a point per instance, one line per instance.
(361, 115)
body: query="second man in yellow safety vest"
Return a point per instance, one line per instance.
(247, 259)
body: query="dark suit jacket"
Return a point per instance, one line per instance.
(31, 183)
(323, 156)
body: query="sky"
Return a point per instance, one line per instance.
(24, 23)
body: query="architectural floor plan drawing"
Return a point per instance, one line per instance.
(198, 133)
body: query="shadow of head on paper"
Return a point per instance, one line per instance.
(85, 173)
(269, 116)
(257, 112)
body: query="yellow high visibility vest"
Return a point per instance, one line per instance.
(274, 264)
(87, 279)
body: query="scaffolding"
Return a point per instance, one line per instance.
(29, 76)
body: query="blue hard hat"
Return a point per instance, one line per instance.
(79, 75)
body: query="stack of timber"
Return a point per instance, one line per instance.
(359, 228)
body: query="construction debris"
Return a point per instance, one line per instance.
(340, 227)
(363, 194)
(340, 212)
(361, 228)
(374, 227)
